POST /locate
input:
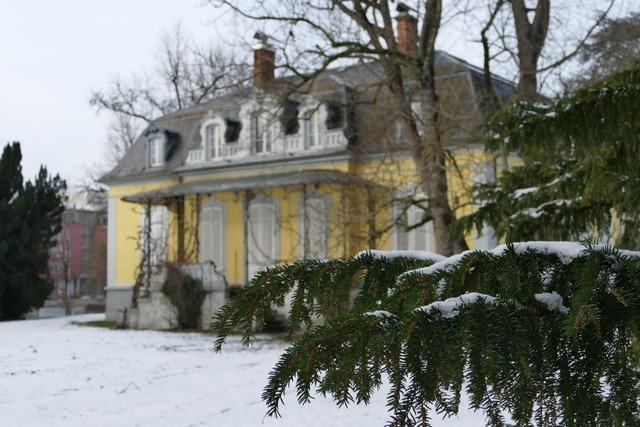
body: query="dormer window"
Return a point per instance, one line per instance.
(260, 135)
(213, 137)
(156, 151)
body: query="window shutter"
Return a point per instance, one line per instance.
(147, 153)
(205, 236)
(217, 242)
(419, 233)
(263, 235)
(316, 212)
(289, 117)
(401, 236)
(422, 236)
(170, 143)
(335, 115)
(212, 235)
(232, 130)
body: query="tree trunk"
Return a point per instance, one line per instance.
(430, 147)
(531, 38)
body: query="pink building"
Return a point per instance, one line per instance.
(78, 261)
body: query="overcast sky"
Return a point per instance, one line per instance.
(54, 53)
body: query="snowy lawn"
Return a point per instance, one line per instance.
(55, 373)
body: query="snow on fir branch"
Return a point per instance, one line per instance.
(524, 331)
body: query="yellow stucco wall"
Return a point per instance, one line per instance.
(348, 232)
(128, 222)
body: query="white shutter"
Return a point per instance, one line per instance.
(263, 236)
(400, 235)
(205, 236)
(212, 235)
(217, 243)
(418, 234)
(317, 233)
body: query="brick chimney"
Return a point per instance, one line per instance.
(264, 61)
(407, 29)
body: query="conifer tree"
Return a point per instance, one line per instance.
(30, 217)
(542, 333)
(579, 174)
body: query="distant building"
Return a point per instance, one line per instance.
(78, 262)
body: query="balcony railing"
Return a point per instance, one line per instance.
(195, 156)
(333, 139)
(293, 143)
(229, 151)
(280, 146)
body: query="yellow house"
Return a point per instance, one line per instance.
(264, 175)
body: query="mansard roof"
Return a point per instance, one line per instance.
(466, 79)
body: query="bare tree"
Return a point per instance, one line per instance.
(535, 40)
(335, 32)
(60, 267)
(185, 74)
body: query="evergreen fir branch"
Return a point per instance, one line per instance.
(552, 345)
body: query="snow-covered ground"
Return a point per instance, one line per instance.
(55, 373)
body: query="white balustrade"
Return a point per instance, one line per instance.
(195, 156)
(334, 139)
(228, 151)
(293, 143)
(284, 145)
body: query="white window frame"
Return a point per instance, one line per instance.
(156, 151)
(260, 131)
(253, 247)
(214, 141)
(220, 209)
(323, 198)
(204, 136)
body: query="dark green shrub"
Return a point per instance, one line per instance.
(187, 295)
